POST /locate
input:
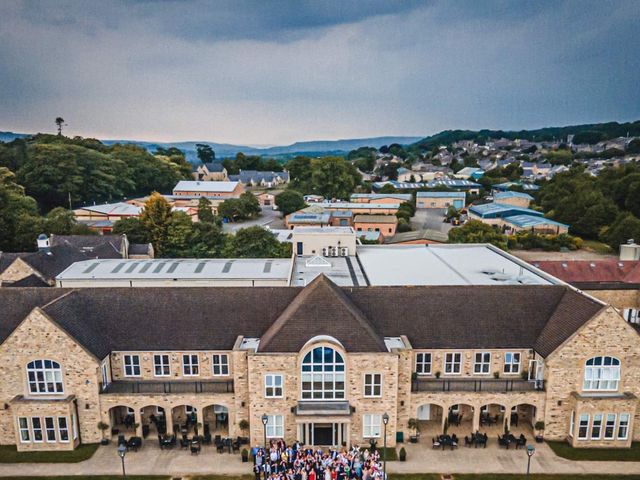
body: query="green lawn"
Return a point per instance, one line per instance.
(565, 450)
(9, 454)
(598, 247)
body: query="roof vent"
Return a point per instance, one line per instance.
(564, 265)
(592, 265)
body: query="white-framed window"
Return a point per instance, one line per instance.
(583, 427)
(482, 363)
(220, 363)
(188, 409)
(512, 362)
(454, 408)
(452, 363)
(63, 429)
(23, 426)
(631, 315)
(161, 365)
(596, 426)
(50, 429)
(190, 365)
(323, 375)
(44, 377)
(423, 363)
(371, 425)
(74, 426)
(623, 426)
(131, 365)
(275, 426)
(602, 374)
(372, 384)
(36, 428)
(273, 385)
(610, 426)
(572, 422)
(104, 371)
(159, 411)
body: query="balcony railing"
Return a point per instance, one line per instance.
(498, 385)
(179, 386)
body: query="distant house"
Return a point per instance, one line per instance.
(208, 189)
(385, 224)
(417, 237)
(58, 252)
(255, 178)
(103, 217)
(267, 199)
(211, 171)
(440, 200)
(472, 173)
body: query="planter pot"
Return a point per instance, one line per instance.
(245, 459)
(539, 439)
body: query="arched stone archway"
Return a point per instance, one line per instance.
(216, 420)
(153, 418)
(122, 419)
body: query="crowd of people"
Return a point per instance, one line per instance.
(279, 461)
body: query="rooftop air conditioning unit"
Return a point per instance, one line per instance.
(344, 252)
(324, 251)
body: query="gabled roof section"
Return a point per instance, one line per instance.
(573, 311)
(321, 308)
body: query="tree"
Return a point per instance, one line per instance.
(133, 228)
(59, 123)
(388, 188)
(20, 222)
(156, 218)
(625, 227)
(256, 242)
(290, 201)
(299, 169)
(475, 231)
(61, 221)
(249, 205)
(205, 153)
(334, 177)
(207, 240)
(230, 209)
(205, 214)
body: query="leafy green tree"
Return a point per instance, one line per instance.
(59, 124)
(231, 209)
(133, 228)
(179, 236)
(403, 225)
(625, 227)
(205, 214)
(333, 177)
(634, 146)
(249, 205)
(475, 231)
(289, 201)
(20, 222)
(61, 221)
(299, 169)
(388, 188)
(207, 240)
(156, 218)
(256, 242)
(205, 153)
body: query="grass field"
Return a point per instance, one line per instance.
(564, 450)
(598, 247)
(9, 454)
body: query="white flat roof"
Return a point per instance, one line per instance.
(183, 268)
(343, 271)
(323, 230)
(460, 264)
(119, 208)
(204, 186)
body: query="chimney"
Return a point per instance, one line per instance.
(630, 251)
(43, 243)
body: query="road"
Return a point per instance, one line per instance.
(269, 217)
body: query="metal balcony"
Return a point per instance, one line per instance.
(495, 385)
(178, 386)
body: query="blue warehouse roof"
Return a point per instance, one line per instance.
(501, 210)
(527, 221)
(525, 186)
(441, 195)
(512, 194)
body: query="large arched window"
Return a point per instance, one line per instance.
(602, 373)
(44, 376)
(323, 375)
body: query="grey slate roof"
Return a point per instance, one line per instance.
(102, 246)
(483, 317)
(49, 264)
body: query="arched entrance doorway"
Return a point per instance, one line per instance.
(154, 420)
(215, 420)
(428, 420)
(186, 420)
(122, 420)
(460, 418)
(492, 416)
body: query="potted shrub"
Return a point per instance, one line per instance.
(524, 375)
(245, 455)
(414, 425)
(496, 374)
(403, 454)
(196, 428)
(438, 374)
(539, 431)
(103, 427)
(244, 425)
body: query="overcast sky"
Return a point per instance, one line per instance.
(275, 72)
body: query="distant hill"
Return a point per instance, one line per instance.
(587, 133)
(312, 148)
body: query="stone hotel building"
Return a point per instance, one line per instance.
(323, 362)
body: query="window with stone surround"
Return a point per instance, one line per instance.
(452, 363)
(596, 426)
(371, 425)
(423, 363)
(482, 363)
(602, 374)
(373, 385)
(623, 426)
(131, 365)
(63, 429)
(190, 365)
(36, 428)
(220, 363)
(610, 426)
(273, 385)
(161, 365)
(44, 377)
(323, 376)
(583, 427)
(275, 426)
(23, 425)
(512, 363)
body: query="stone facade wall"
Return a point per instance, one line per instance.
(606, 334)
(29, 409)
(17, 271)
(39, 338)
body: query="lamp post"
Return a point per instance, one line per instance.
(530, 451)
(265, 420)
(122, 451)
(385, 420)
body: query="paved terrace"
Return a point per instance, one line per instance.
(421, 458)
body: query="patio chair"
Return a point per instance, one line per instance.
(521, 441)
(184, 442)
(195, 448)
(217, 439)
(219, 444)
(503, 441)
(468, 442)
(435, 443)
(207, 438)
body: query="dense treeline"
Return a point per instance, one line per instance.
(251, 162)
(606, 207)
(331, 177)
(57, 170)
